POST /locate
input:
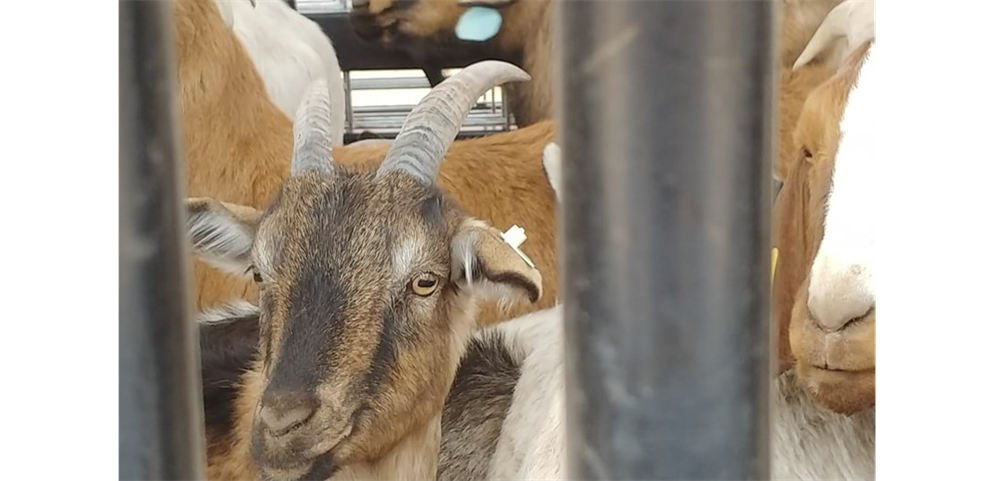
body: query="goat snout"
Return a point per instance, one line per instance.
(839, 294)
(281, 413)
(366, 27)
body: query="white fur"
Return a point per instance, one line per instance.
(235, 309)
(403, 257)
(842, 277)
(814, 444)
(552, 163)
(371, 142)
(532, 444)
(288, 50)
(220, 241)
(808, 443)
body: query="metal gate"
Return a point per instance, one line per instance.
(666, 231)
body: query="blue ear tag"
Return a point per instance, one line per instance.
(478, 24)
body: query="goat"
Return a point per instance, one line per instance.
(429, 25)
(369, 280)
(496, 362)
(823, 287)
(288, 50)
(236, 144)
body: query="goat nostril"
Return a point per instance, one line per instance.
(283, 416)
(835, 323)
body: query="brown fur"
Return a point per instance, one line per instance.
(238, 145)
(798, 219)
(524, 37)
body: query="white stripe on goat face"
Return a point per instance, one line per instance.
(842, 279)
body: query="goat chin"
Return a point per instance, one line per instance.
(504, 418)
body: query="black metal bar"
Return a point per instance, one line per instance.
(161, 425)
(667, 120)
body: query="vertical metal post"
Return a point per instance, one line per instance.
(349, 114)
(161, 425)
(666, 117)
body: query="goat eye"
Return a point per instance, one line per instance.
(424, 285)
(255, 274)
(807, 153)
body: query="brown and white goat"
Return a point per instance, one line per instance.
(427, 28)
(237, 143)
(369, 280)
(823, 286)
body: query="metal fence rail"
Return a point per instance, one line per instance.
(161, 425)
(666, 120)
(356, 55)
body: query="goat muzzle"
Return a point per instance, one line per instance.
(365, 24)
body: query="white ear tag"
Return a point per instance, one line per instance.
(478, 24)
(515, 236)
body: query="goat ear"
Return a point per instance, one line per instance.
(222, 233)
(845, 28)
(552, 165)
(486, 265)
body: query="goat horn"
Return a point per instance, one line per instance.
(432, 125)
(312, 141)
(852, 19)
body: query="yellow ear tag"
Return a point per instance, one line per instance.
(773, 264)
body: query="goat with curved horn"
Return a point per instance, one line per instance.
(432, 125)
(852, 21)
(312, 127)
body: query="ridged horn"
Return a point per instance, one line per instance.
(852, 20)
(432, 125)
(312, 141)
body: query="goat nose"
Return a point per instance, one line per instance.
(838, 296)
(360, 3)
(281, 413)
